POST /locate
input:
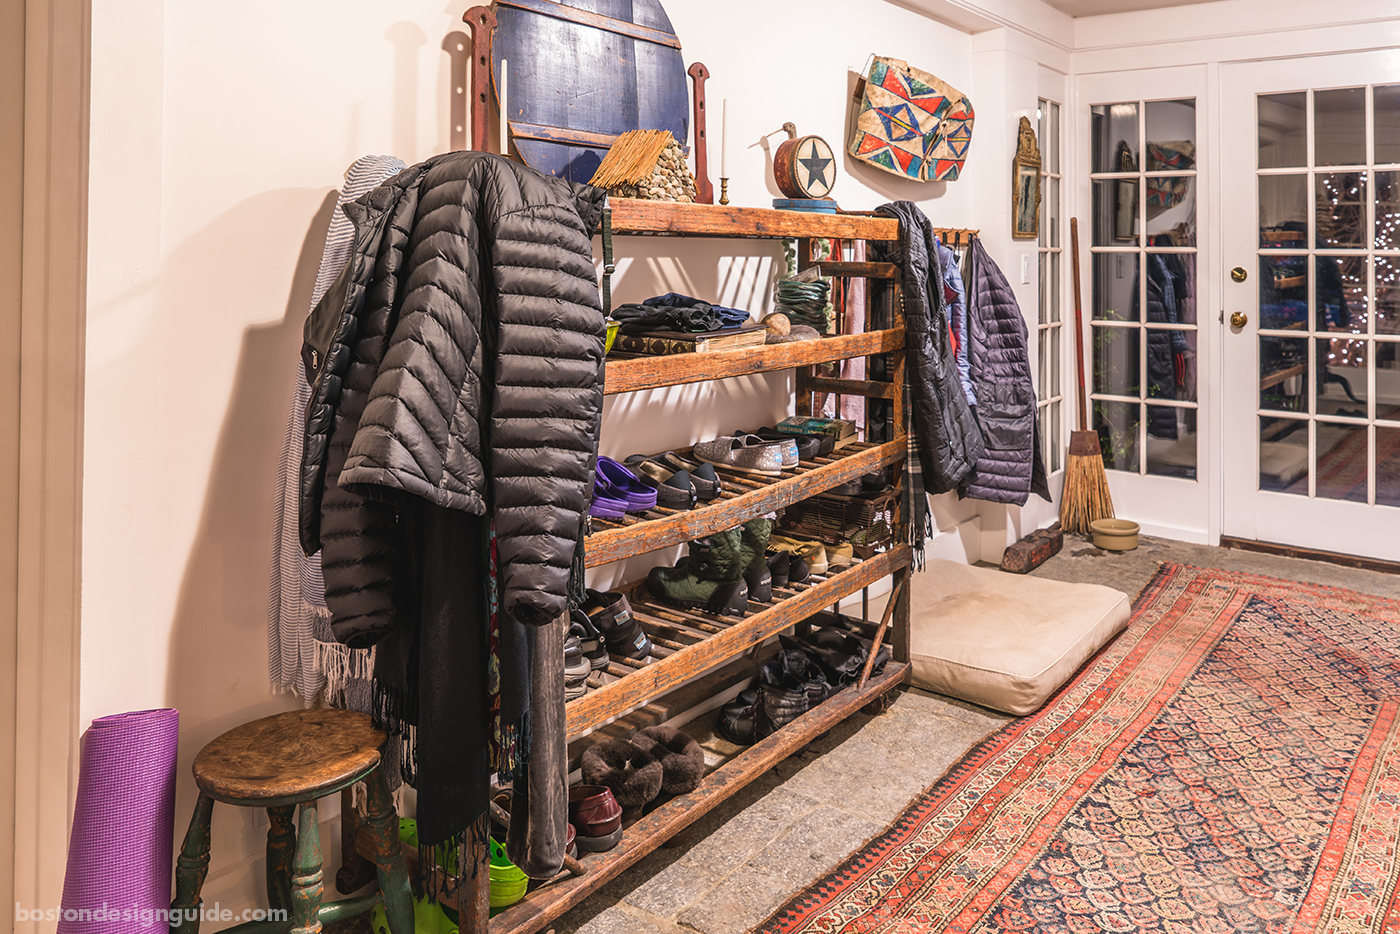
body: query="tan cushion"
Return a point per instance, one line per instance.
(1005, 641)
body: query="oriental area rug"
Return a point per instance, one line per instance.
(1230, 763)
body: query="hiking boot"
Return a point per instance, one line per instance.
(777, 707)
(753, 547)
(590, 639)
(681, 586)
(612, 615)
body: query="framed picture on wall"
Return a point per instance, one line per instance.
(1025, 185)
(1126, 213)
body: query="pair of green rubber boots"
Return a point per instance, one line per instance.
(721, 573)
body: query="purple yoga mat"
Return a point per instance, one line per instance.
(119, 854)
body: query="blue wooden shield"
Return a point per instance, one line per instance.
(584, 72)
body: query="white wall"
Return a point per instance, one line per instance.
(219, 136)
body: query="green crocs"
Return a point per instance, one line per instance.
(508, 882)
(428, 917)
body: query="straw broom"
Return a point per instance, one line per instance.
(1086, 497)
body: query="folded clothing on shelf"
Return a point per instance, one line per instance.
(676, 312)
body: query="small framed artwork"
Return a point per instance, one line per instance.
(1126, 214)
(1025, 185)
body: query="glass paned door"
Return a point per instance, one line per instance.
(1311, 349)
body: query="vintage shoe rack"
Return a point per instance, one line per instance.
(687, 644)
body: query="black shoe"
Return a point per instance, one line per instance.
(739, 725)
(612, 615)
(779, 567)
(576, 669)
(590, 639)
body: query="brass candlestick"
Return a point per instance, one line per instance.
(723, 190)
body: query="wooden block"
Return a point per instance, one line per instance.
(1033, 550)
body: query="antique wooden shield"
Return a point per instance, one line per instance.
(583, 72)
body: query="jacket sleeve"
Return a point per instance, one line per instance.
(547, 405)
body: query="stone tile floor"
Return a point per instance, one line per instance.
(742, 861)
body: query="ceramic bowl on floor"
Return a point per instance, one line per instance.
(1115, 534)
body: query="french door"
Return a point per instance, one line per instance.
(1310, 329)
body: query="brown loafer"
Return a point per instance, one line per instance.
(594, 812)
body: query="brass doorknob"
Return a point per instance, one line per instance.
(1238, 319)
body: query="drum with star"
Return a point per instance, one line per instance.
(805, 168)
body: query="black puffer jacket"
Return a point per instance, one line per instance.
(458, 358)
(1010, 468)
(947, 437)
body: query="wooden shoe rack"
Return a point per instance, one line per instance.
(695, 655)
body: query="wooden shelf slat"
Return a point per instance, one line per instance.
(857, 270)
(625, 541)
(548, 902)
(641, 685)
(679, 369)
(870, 389)
(634, 216)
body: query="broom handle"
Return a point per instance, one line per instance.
(1078, 321)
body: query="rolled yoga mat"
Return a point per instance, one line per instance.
(119, 854)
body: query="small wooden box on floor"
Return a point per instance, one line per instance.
(1033, 550)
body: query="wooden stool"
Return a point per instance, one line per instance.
(278, 763)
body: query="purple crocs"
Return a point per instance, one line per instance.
(606, 504)
(623, 484)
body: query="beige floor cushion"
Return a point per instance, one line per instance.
(1005, 641)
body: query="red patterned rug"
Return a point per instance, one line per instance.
(1230, 763)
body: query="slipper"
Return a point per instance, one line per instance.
(682, 760)
(624, 485)
(632, 774)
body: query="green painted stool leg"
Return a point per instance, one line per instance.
(306, 873)
(281, 841)
(383, 824)
(192, 866)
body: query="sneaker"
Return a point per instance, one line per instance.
(812, 553)
(612, 615)
(590, 639)
(576, 669)
(786, 446)
(841, 555)
(748, 455)
(808, 446)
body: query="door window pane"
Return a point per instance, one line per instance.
(1117, 426)
(1387, 295)
(1116, 361)
(1115, 286)
(1341, 209)
(1055, 286)
(1387, 466)
(1171, 441)
(1171, 364)
(1115, 212)
(1171, 135)
(1387, 104)
(1054, 212)
(1054, 161)
(1342, 388)
(1171, 210)
(1283, 199)
(1283, 455)
(1388, 210)
(1283, 373)
(1283, 130)
(1115, 137)
(1057, 444)
(1340, 303)
(1342, 461)
(1339, 126)
(1044, 311)
(1283, 293)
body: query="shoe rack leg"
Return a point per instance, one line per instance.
(474, 892)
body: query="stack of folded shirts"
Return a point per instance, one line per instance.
(805, 302)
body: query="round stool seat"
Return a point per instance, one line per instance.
(288, 757)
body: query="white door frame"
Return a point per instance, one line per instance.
(1165, 506)
(52, 267)
(1327, 525)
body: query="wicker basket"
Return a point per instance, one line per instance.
(867, 522)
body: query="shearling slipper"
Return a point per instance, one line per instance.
(631, 773)
(682, 759)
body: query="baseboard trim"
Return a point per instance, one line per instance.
(1312, 554)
